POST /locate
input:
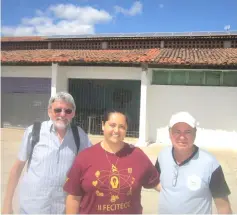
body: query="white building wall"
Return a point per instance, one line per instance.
(26, 71)
(62, 80)
(214, 107)
(97, 72)
(94, 72)
(65, 72)
(59, 81)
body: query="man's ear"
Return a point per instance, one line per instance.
(194, 133)
(73, 114)
(49, 112)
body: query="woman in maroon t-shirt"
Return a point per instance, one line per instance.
(107, 178)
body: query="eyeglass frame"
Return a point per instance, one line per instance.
(176, 174)
(178, 133)
(59, 110)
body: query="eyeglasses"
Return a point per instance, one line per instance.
(178, 133)
(175, 177)
(59, 110)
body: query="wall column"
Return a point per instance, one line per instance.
(54, 77)
(143, 122)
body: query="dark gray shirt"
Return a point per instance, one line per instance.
(189, 187)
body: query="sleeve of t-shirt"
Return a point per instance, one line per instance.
(152, 176)
(218, 185)
(73, 182)
(84, 139)
(25, 148)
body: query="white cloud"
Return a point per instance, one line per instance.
(61, 19)
(135, 9)
(65, 27)
(37, 21)
(88, 15)
(17, 31)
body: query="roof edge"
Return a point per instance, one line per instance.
(112, 36)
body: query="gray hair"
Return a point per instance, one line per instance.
(64, 96)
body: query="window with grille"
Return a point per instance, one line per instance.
(178, 78)
(213, 78)
(195, 78)
(230, 78)
(160, 77)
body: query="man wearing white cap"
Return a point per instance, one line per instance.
(189, 177)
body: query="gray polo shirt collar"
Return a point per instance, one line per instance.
(188, 159)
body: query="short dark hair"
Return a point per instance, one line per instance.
(112, 111)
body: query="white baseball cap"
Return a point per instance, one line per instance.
(183, 117)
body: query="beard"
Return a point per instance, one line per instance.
(60, 123)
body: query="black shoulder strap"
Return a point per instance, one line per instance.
(35, 139)
(76, 136)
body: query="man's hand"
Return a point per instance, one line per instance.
(158, 187)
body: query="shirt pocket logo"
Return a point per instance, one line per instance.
(194, 182)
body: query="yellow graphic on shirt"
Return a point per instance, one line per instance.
(98, 193)
(94, 183)
(114, 206)
(114, 168)
(114, 198)
(113, 183)
(132, 181)
(129, 193)
(97, 174)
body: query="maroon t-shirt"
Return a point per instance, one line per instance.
(111, 183)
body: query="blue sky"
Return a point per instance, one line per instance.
(74, 17)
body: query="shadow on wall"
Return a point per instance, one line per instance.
(205, 138)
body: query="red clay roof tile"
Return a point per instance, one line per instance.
(154, 56)
(21, 39)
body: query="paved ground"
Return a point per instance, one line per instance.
(11, 138)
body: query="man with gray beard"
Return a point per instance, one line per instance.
(41, 189)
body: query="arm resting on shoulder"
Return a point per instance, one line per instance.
(72, 204)
(13, 180)
(223, 205)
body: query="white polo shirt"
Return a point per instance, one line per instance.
(189, 187)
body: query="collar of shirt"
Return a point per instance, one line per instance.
(196, 148)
